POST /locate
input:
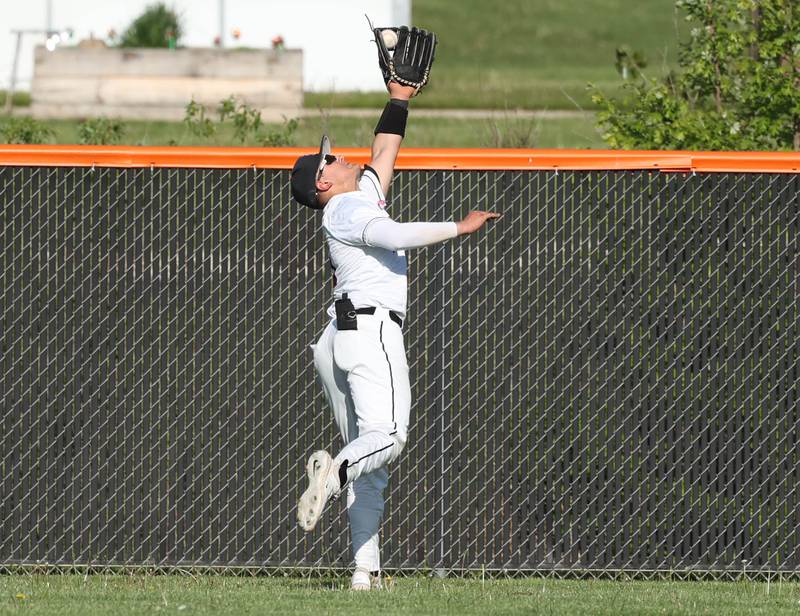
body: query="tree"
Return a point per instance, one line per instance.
(738, 87)
(158, 26)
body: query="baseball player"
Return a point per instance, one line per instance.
(360, 357)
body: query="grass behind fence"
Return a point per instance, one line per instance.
(533, 55)
(569, 132)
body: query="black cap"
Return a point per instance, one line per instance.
(305, 172)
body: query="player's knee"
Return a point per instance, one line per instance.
(371, 483)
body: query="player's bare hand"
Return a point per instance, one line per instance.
(474, 221)
(400, 91)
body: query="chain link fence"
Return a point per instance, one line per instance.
(604, 380)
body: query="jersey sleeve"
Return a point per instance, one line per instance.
(370, 184)
(349, 220)
(391, 235)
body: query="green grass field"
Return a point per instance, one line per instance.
(21, 99)
(533, 55)
(174, 594)
(422, 132)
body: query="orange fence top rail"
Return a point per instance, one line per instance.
(409, 158)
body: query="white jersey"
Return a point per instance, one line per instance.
(370, 276)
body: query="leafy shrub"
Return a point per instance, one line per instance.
(248, 125)
(737, 88)
(282, 136)
(25, 130)
(156, 27)
(246, 120)
(196, 121)
(101, 131)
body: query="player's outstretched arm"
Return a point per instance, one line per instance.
(386, 144)
(391, 235)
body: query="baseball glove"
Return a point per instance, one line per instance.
(409, 63)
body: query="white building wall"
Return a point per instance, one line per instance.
(333, 34)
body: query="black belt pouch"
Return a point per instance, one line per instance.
(345, 314)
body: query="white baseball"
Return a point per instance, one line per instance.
(389, 38)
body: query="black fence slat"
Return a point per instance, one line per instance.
(604, 379)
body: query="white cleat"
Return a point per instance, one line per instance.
(364, 580)
(323, 483)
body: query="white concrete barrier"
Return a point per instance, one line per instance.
(159, 83)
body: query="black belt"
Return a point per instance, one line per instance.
(392, 314)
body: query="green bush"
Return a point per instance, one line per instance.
(737, 87)
(101, 131)
(283, 136)
(25, 130)
(196, 121)
(158, 26)
(246, 120)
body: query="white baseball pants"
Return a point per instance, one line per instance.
(364, 374)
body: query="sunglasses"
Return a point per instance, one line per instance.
(329, 160)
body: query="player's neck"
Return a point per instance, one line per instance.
(341, 189)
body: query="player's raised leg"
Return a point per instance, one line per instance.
(323, 484)
(323, 472)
